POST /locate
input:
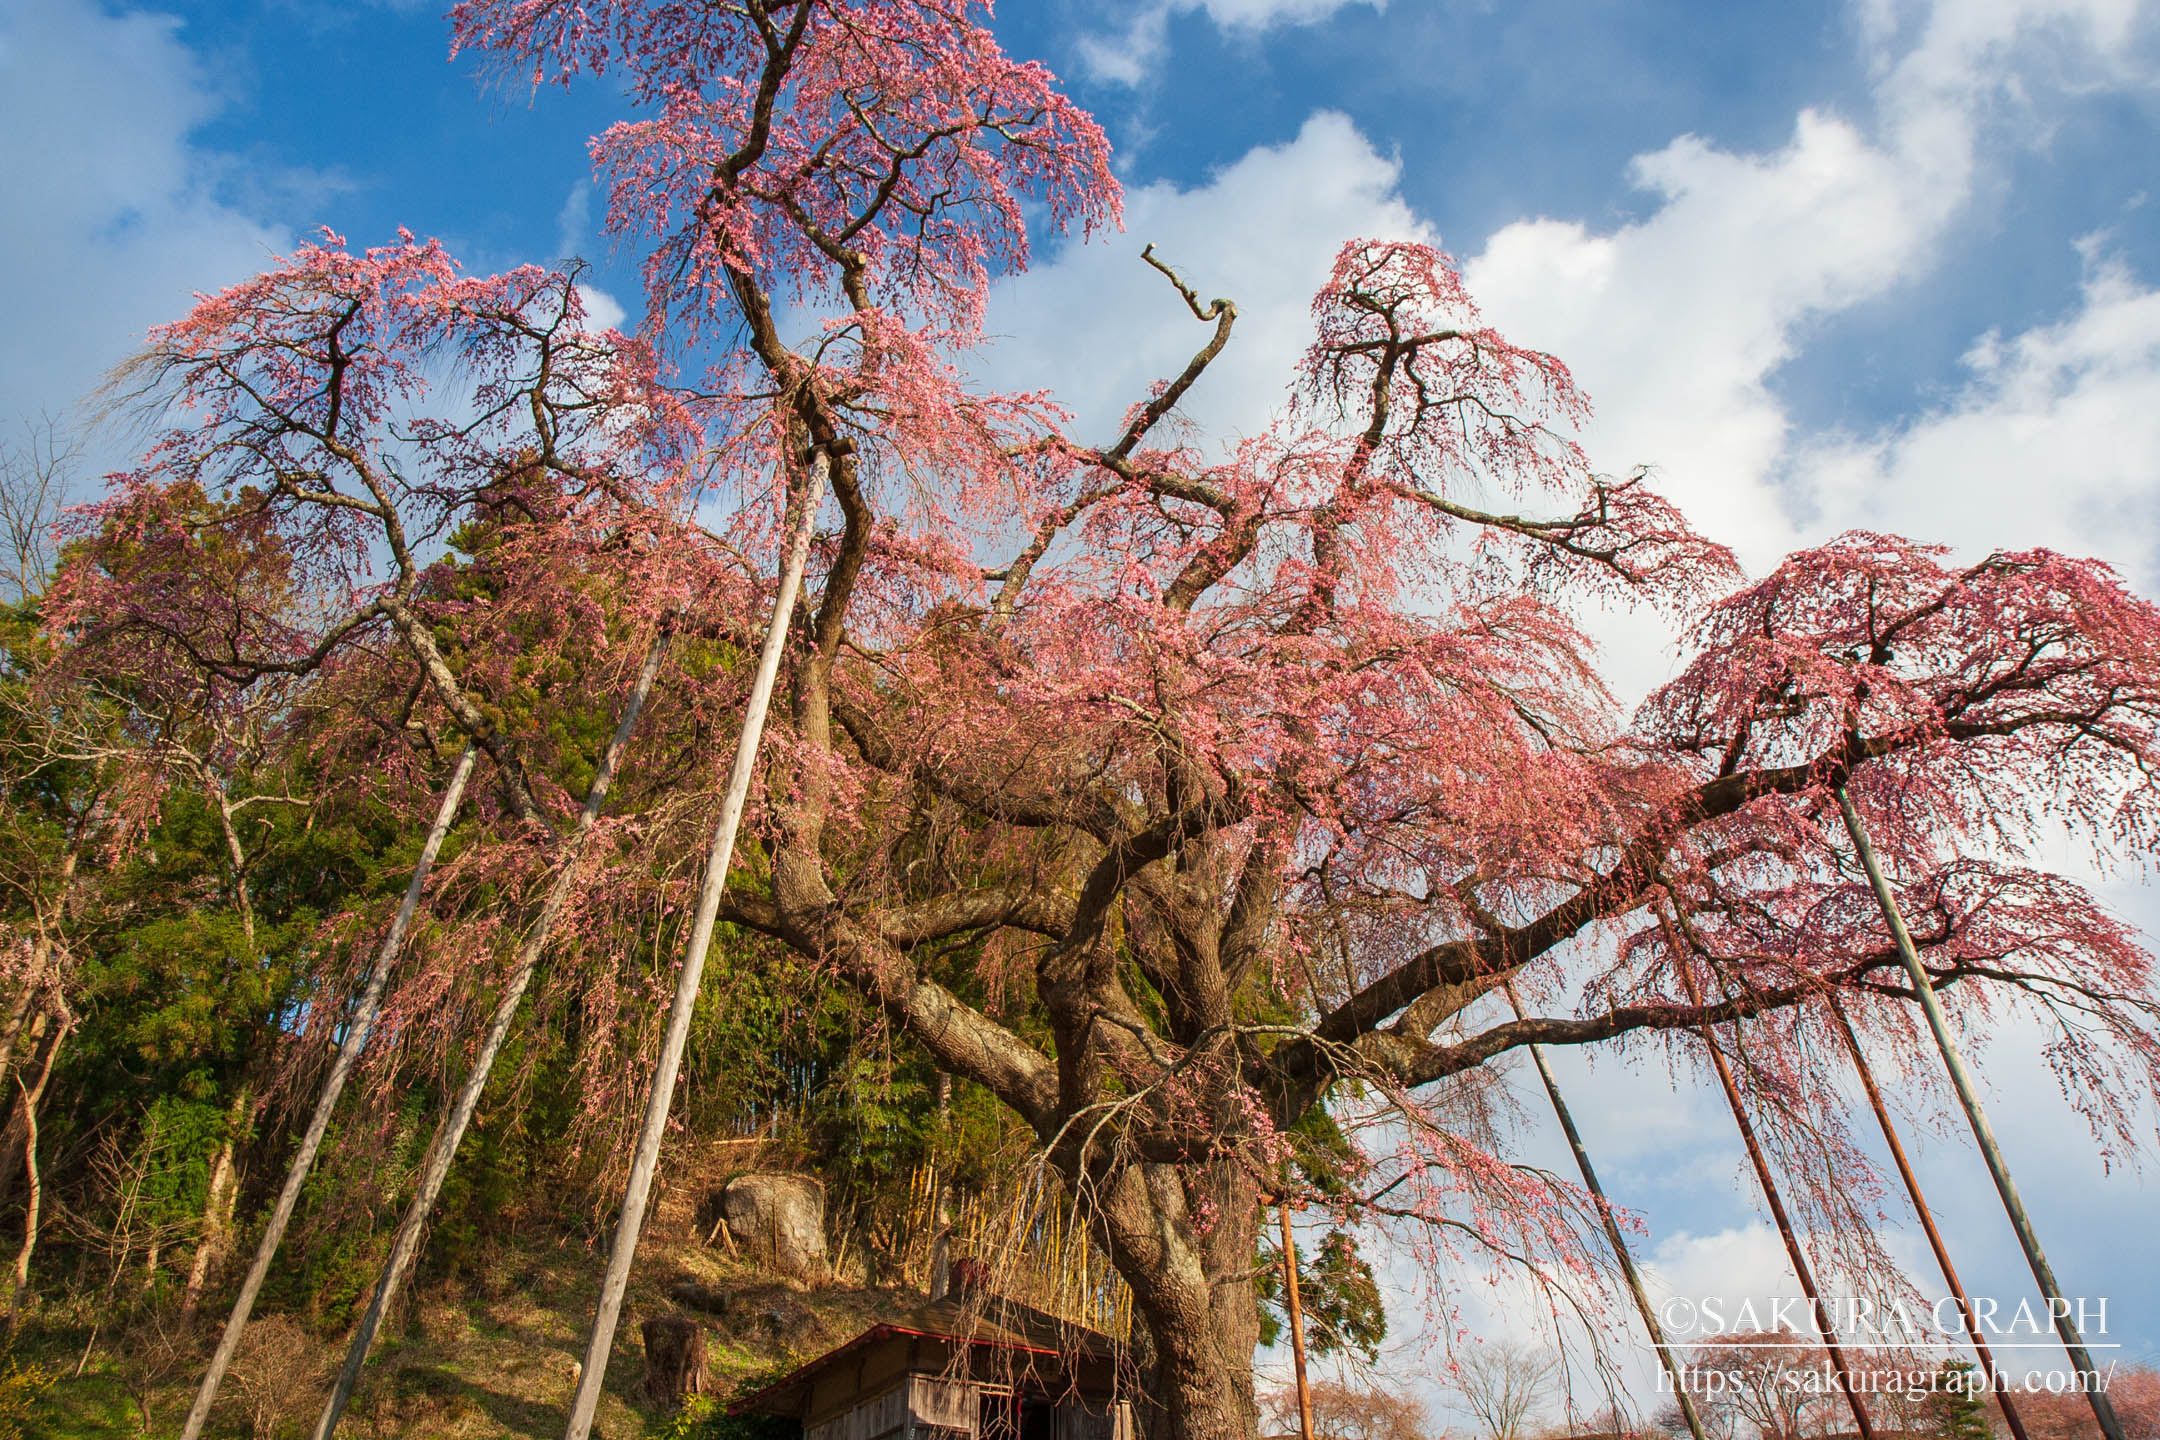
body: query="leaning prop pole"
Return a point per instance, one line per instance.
(1801, 1269)
(624, 1248)
(2059, 1308)
(1613, 1236)
(1297, 1318)
(1927, 1221)
(357, 1029)
(444, 1151)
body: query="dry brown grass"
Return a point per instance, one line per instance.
(277, 1376)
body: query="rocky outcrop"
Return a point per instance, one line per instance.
(776, 1220)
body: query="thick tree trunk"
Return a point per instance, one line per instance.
(1203, 1380)
(674, 1361)
(1193, 1289)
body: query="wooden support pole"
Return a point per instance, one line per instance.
(358, 1027)
(1927, 1221)
(1777, 1212)
(1969, 1096)
(1297, 1318)
(647, 1157)
(443, 1152)
(1613, 1236)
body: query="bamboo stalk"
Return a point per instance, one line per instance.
(1927, 1220)
(1613, 1235)
(647, 1158)
(1777, 1212)
(1968, 1096)
(444, 1150)
(357, 1030)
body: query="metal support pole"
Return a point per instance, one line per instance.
(444, 1151)
(1777, 1212)
(1927, 1221)
(1968, 1095)
(647, 1158)
(1613, 1235)
(357, 1029)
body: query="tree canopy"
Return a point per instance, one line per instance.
(1207, 804)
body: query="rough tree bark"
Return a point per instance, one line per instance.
(674, 1360)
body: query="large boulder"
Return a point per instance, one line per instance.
(779, 1221)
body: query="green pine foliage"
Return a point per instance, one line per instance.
(1341, 1300)
(1957, 1408)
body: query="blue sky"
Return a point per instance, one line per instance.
(1859, 262)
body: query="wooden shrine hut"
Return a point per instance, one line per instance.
(992, 1369)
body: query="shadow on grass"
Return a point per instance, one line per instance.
(539, 1420)
(89, 1407)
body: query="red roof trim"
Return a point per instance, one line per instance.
(883, 1330)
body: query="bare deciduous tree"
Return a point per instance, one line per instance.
(36, 474)
(278, 1373)
(1750, 1386)
(1503, 1383)
(1350, 1410)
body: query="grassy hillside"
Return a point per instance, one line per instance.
(490, 1354)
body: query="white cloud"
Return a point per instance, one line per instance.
(1128, 54)
(602, 310)
(573, 238)
(1099, 326)
(1258, 14)
(112, 218)
(2056, 442)
(1677, 324)
(573, 223)
(1735, 1265)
